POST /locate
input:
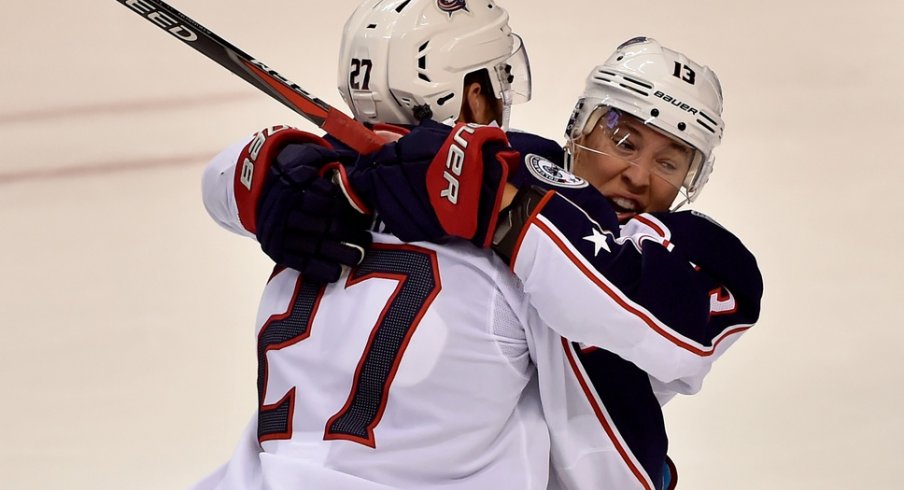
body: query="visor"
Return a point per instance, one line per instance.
(623, 141)
(512, 82)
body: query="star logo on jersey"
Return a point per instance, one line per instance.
(452, 6)
(598, 240)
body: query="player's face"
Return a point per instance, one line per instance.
(638, 168)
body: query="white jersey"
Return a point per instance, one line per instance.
(430, 367)
(410, 372)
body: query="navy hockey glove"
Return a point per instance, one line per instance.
(438, 182)
(304, 220)
(536, 179)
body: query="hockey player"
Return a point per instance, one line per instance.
(612, 433)
(461, 63)
(414, 369)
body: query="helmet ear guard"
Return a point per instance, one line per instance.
(399, 58)
(665, 90)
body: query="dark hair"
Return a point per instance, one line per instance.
(481, 76)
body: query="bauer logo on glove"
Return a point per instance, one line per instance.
(456, 180)
(253, 151)
(455, 161)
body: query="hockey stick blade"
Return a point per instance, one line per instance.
(333, 121)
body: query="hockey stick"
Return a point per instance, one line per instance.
(333, 121)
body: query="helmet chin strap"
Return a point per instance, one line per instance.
(506, 109)
(569, 155)
(676, 207)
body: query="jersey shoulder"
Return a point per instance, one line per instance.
(532, 144)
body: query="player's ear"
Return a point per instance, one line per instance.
(472, 104)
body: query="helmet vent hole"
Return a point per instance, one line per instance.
(371, 26)
(402, 6)
(640, 82)
(714, 123)
(444, 99)
(422, 62)
(604, 76)
(682, 126)
(654, 113)
(633, 89)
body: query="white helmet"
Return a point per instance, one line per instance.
(664, 89)
(401, 56)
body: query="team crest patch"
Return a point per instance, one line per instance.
(452, 6)
(552, 174)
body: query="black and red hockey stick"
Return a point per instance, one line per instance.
(333, 121)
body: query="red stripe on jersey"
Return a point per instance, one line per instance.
(531, 219)
(642, 477)
(659, 231)
(651, 224)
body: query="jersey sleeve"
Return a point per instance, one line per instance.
(669, 293)
(529, 143)
(218, 188)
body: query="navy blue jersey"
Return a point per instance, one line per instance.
(528, 143)
(645, 310)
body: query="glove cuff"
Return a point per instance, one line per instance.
(337, 173)
(254, 164)
(514, 219)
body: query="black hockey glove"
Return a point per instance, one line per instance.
(535, 179)
(304, 221)
(438, 182)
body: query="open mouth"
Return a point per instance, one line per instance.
(624, 208)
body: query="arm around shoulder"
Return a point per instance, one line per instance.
(669, 292)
